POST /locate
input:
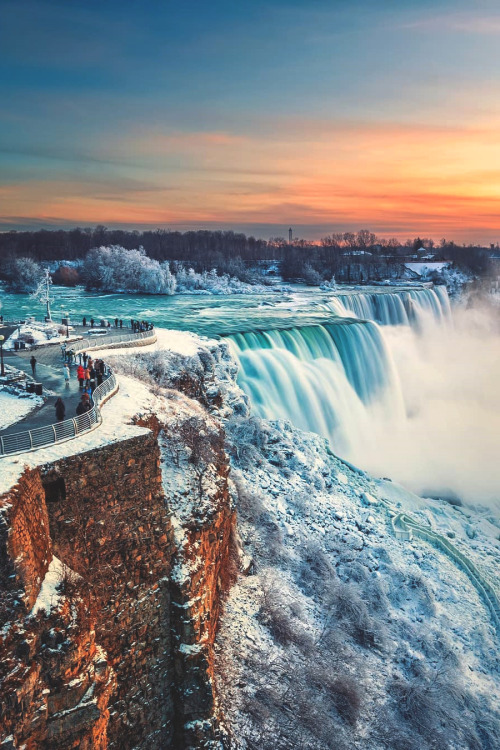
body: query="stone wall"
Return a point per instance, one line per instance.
(28, 541)
(113, 528)
(125, 659)
(55, 681)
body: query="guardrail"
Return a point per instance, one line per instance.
(405, 528)
(103, 342)
(59, 432)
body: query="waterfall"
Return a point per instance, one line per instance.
(335, 379)
(405, 307)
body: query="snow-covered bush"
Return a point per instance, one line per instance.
(311, 276)
(188, 280)
(116, 269)
(23, 274)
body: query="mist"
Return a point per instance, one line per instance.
(448, 444)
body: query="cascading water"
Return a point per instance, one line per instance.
(334, 379)
(408, 307)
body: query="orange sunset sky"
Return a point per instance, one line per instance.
(327, 116)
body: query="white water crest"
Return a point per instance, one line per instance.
(408, 307)
(417, 401)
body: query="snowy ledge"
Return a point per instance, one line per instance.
(118, 412)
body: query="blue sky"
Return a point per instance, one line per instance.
(327, 115)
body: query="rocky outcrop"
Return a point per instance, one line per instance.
(121, 656)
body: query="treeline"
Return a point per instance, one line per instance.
(74, 244)
(352, 257)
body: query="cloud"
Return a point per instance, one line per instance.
(469, 22)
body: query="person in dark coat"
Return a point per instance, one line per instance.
(83, 406)
(60, 409)
(33, 365)
(84, 321)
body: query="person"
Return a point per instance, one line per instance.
(84, 321)
(87, 378)
(121, 323)
(60, 409)
(116, 322)
(85, 358)
(80, 374)
(92, 379)
(66, 375)
(33, 365)
(83, 405)
(91, 322)
(63, 350)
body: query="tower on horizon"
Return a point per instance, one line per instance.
(290, 236)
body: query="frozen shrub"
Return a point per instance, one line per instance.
(277, 614)
(316, 572)
(343, 691)
(250, 505)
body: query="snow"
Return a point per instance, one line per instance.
(38, 333)
(314, 501)
(49, 596)
(14, 406)
(424, 266)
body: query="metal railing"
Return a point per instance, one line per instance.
(103, 341)
(58, 432)
(30, 440)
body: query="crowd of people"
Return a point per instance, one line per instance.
(90, 373)
(137, 326)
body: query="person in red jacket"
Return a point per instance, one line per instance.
(80, 374)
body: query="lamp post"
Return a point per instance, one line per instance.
(2, 368)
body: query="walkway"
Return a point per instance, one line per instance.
(40, 427)
(49, 372)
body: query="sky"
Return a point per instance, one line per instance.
(323, 115)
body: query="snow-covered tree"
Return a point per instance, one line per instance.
(116, 269)
(23, 274)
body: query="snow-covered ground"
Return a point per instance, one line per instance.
(15, 404)
(336, 619)
(38, 333)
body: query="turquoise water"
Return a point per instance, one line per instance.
(230, 314)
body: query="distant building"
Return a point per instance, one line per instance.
(290, 236)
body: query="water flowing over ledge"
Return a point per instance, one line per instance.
(337, 379)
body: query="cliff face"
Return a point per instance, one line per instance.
(115, 562)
